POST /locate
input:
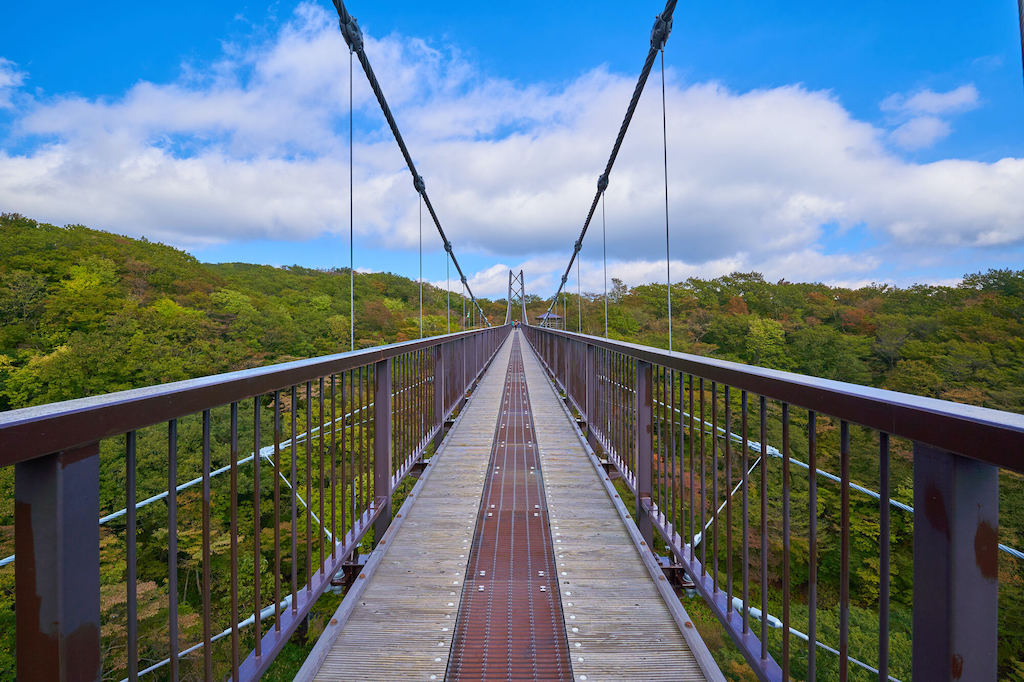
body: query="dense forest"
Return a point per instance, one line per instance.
(962, 343)
(87, 312)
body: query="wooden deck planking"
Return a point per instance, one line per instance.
(401, 627)
(618, 625)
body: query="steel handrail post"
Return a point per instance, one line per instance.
(956, 566)
(643, 447)
(382, 419)
(57, 575)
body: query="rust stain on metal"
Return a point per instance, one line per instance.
(935, 510)
(956, 666)
(510, 623)
(986, 554)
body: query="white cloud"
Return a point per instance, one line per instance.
(963, 98)
(11, 78)
(256, 146)
(920, 132)
(918, 114)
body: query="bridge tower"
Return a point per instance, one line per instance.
(517, 290)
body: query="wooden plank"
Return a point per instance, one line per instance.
(618, 625)
(402, 625)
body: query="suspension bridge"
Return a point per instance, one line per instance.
(505, 501)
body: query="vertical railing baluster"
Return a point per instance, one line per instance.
(745, 444)
(714, 485)
(352, 469)
(812, 537)
(658, 423)
(703, 524)
(344, 433)
(844, 559)
(320, 483)
(131, 555)
(309, 486)
(257, 526)
(674, 473)
(207, 571)
(693, 442)
(334, 464)
(293, 487)
(364, 450)
(764, 527)
(233, 463)
(728, 500)
(277, 511)
(172, 544)
(883, 556)
(785, 541)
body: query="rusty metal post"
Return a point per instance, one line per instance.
(956, 566)
(382, 445)
(644, 451)
(57, 574)
(566, 353)
(591, 398)
(590, 403)
(439, 391)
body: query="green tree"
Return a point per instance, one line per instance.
(766, 343)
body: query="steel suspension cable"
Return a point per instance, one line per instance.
(448, 289)
(1020, 13)
(668, 259)
(659, 34)
(579, 300)
(351, 208)
(421, 267)
(604, 258)
(353, 36)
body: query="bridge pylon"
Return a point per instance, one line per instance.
(517, 290)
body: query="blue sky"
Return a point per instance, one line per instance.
(837, 142)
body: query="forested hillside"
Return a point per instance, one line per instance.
(962, 343)
(86, 312)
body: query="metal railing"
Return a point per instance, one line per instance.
(340, 432)
(680, 430)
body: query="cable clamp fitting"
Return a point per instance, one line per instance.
(578, 245)
(602, 182)
(464, 279)
(353, 36)
(418, 183)
(447, 246)
(563, 280)
(659, 34)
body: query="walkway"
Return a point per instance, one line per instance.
(464, 589)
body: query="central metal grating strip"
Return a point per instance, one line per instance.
(510, 623)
